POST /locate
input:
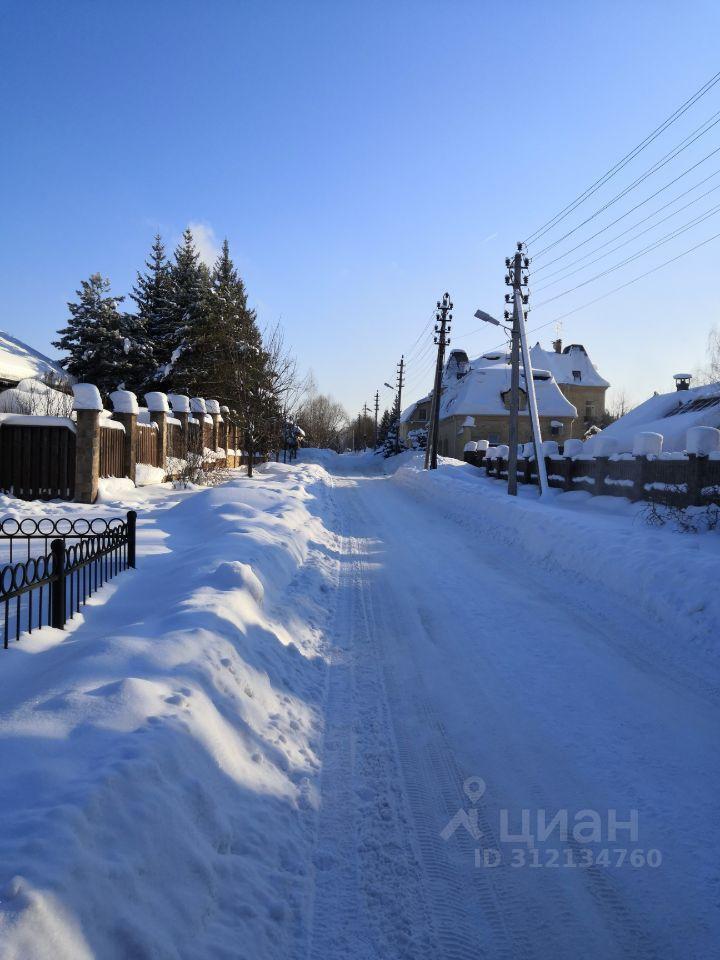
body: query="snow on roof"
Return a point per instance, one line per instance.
(670, 414)
(407, 415)
(564, 366)
(480, 391)
(18, 361)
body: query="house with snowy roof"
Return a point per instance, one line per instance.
(19, 362)
(669, 414)
(475, 405)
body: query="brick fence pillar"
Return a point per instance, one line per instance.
(87, 406)
(158, 408)
(125, 411)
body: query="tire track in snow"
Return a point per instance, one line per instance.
(368, 898)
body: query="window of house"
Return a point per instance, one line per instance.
(577, 376)
(422, 413)
(589, 410)
(556, 428)
(493, 439)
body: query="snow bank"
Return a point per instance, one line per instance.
(599, 548)
(159, 758)
(146, 474)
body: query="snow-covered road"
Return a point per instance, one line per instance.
(454, 661)
(359, 696)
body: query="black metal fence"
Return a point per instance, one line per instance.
(51, 567)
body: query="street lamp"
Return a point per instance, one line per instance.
(486, 318)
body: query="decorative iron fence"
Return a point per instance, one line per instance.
(77, 558)
(111, 451)
(37, 462)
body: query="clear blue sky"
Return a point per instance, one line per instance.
(361, 157)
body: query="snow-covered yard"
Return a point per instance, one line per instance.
(310, 724)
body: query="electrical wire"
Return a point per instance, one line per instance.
(675, 152)
(628, 283)
(587, 263)
(594, 187)
(544, 266)
(640, 253)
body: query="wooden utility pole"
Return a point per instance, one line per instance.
(365, 415)
(514, 278)
(443, 318)
(377, 407)
(400, 385)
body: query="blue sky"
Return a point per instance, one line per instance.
(361, 158)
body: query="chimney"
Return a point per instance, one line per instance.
(557, 346)
(682, 381)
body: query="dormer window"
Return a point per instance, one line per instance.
(577, 376)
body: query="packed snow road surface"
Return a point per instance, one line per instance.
(376, 716)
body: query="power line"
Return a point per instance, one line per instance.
(640, 253)
(594, 187)
(675, 152)
(544, 266)
(587, 263)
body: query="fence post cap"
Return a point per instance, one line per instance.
(197, 405)
(87, 397)
(703, 440)
(212, 406)
(124, 401)
(224, 409)
(179, 402)
(157, 402)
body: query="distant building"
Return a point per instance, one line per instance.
(475, 405)
(578, 379)
(19, 362)
(670, 414)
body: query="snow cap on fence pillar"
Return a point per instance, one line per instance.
(606, 446)
(197, 405)
(179, 402)
(550, 448)
(503, 450)
(87, 397)
(703, 440)
(157, 402)
(647, 444)
(224, 409)
(212, 407)
(470, 446)
(124, 401)
(572, 448)
(482, 445)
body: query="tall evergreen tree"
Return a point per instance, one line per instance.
(104, 345)
(187, 311)
(152, 294)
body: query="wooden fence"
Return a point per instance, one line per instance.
(147, 445)
(111, 451)
(679, 481)
(37, 462)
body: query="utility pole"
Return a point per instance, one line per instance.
(514, 279)
(443, 318)
(366, 414)
(377, 407)
(400, 385)
(520, 297)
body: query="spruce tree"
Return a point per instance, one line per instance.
(152, 294)
(187, 311)
(101, 342)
